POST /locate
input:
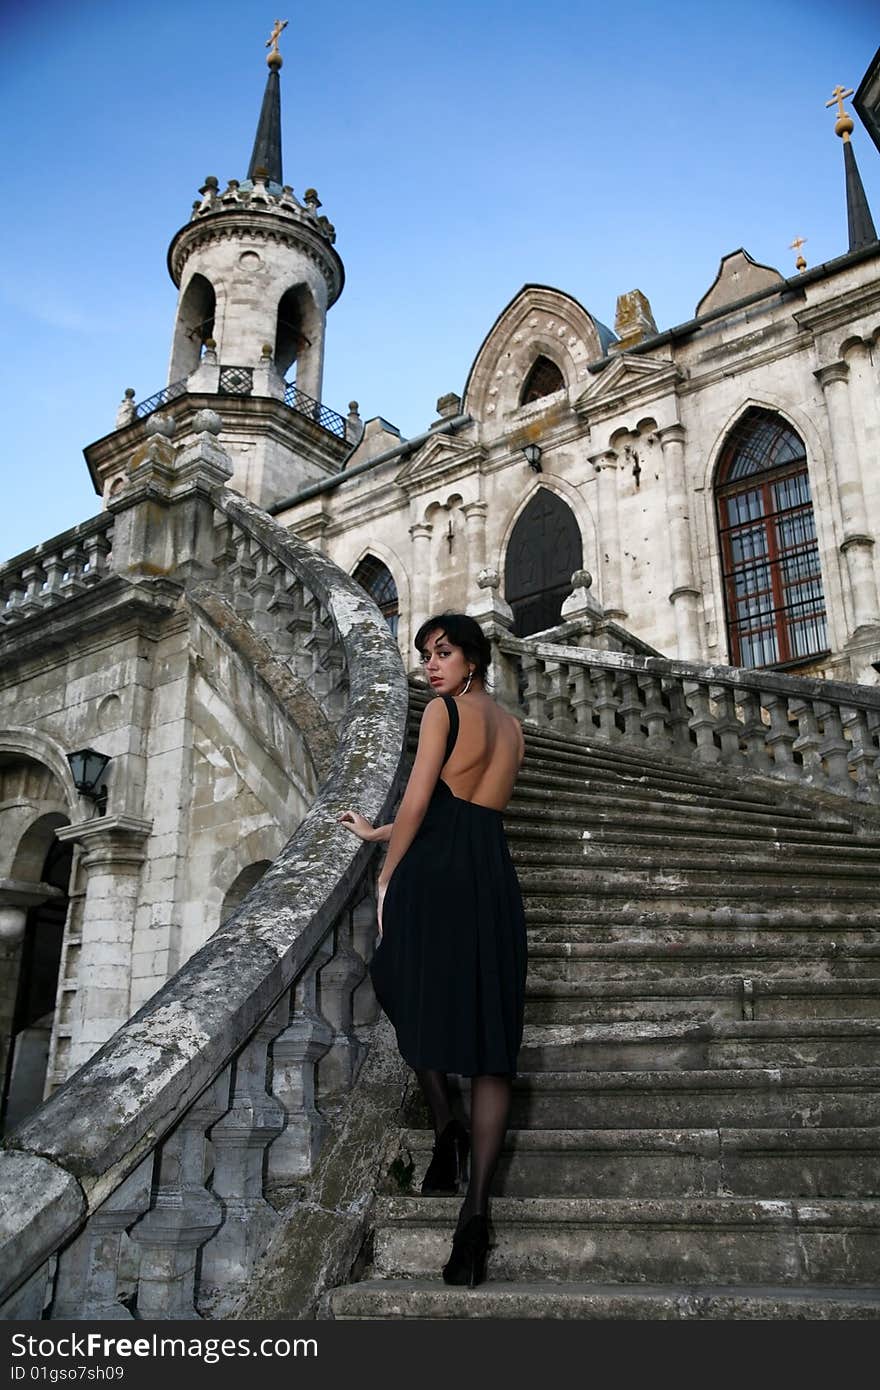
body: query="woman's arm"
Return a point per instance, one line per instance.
(422, 781)
(358, 825)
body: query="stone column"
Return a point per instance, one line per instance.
(685, 593)
(605, 465)
(421, 574)
(113, 852)
(857, 543)
(475, 518)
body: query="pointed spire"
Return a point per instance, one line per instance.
(267, 145)
(860, 223)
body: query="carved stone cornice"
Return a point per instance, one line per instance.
(110, 841)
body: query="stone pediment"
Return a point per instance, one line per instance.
(628, 379)
(438, 457)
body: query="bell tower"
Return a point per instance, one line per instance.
(256, 267)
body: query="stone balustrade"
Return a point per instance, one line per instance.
(149, 1184)
(56, 569)
(822, 734)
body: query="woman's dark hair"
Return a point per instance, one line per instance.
(463, 632)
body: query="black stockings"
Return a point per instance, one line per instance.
(490, 1106)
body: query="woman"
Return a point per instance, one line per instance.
(450, 966)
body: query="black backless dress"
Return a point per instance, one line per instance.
(450, 969)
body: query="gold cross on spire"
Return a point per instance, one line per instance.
(280, 24)
(796, 245)
(843, 126)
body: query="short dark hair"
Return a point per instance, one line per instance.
(462, 631)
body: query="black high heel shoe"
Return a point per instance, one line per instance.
(470, 1250)
(447, 1166)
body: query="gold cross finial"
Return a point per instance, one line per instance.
(799, 241)
(272, 40)
(843, 126)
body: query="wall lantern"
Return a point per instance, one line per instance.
(533, 456)
(88, 768)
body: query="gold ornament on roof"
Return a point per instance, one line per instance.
(274, 58)
(843, 126)
(799, 241)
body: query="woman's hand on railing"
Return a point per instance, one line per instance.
(360, 826)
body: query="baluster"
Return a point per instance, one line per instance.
(780, 737)
(74, 559)
(656, 713)
(224, 547)
(54, 568)
(337, 982)
(753, 730)
(364, 928)
(184, 1214)
(863, 756)
(97, 548)
(241, 572)
(581, 700)
(33, 577)
(808, 741)
(630, 709)
(239, 1140)
(605, 702)
(13, 596)
(535, 688)
(262, 589)
(295, 1055)
(99, 1269)
(834, 749)
(557, 705)
(281, 609)
(727, 725)
(702, 721)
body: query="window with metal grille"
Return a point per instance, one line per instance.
(773, 593)
(379, 583)
(544, 378)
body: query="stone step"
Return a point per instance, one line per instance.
(785, 1097)
(707, 1044)
(566, 829)
(651, 1239)
(739, 1162)
(817, 959)
(770, 863)
(627, 793)
(531, 797)
(428, 1298)
(702, 997)
(763, 897)
(582, 920)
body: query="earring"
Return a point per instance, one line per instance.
(468, 685)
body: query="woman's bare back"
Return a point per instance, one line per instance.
(488, 752)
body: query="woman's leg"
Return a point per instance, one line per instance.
(490, 1107)
(435, 1089)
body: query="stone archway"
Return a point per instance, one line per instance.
(544, 551)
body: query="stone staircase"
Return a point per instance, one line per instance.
(696, 1124)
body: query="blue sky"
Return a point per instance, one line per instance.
(460, 149)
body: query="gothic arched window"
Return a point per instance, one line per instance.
(545, 550)
(544, 378)
(770, 558)
(379, 583)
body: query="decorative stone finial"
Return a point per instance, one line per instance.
(266, 352)
(311, 199)
(274, 58)
(582, 579)
(207, 421)
(157, 423)
(489, 579)
(843, 126)
(126, 410)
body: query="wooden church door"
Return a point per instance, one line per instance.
(544, 551)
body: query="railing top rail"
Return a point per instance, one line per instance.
(83, 529)
(111, 1113)
(322, 415)
(769, 682)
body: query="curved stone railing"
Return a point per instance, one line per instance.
(144, 1187)
(56, 569)
(824, 734)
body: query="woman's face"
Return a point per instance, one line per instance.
(446, 665)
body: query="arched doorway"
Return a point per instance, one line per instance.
(545, 550)
(773, 594)
(25, 1078)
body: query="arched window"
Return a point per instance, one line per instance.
(545, 550)
(772, 581)
(195, 324)
(290, 338)
(544, 378)
(379, 583)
